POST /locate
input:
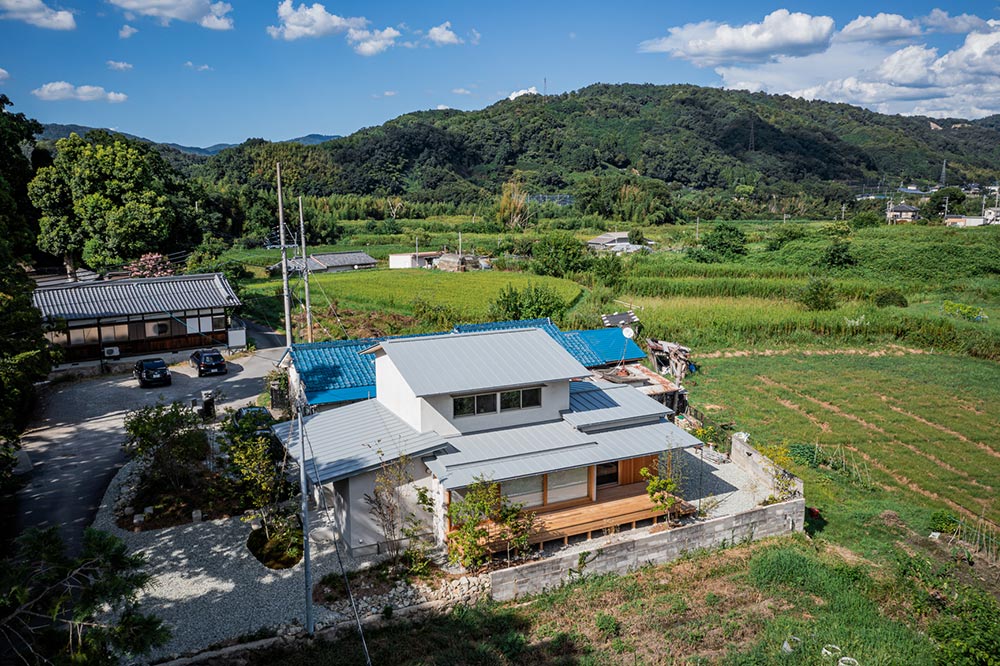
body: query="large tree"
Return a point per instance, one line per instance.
(104, 200)
(23, 355)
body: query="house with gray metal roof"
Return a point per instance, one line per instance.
(329, 262)
(335, 373)
(99, 319)
(510, 406)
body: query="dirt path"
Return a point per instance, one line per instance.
(890, 350)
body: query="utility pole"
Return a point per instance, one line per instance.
(946, 207)
(416, 252)
(284, 264)
(843, 210)
(697, 225)
(459, 243)
(305, 274)
(305, 517)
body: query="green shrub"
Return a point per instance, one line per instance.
(837, 255)
(943, 521)
(865, 220)
(885, 298)
(819, 294)
(963, 311)
(608, 625)
(782, 234)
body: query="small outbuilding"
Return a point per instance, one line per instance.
(414, 259)
(330, 262)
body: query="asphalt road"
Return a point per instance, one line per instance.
(74, 443)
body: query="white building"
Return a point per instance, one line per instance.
(511, 406)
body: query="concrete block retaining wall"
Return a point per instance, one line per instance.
(619, 556)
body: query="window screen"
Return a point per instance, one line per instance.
(568, 484)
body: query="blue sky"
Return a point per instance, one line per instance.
(198, 72)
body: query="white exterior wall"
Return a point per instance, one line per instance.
(365, 535)
(395, 393)
(438, 415)
(401, 261)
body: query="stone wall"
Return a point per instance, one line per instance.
(619, 555)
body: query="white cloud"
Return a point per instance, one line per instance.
(126, 31)
(442, 35)
(474, 37)
(389, 93)
(908, 66)
(371, 42)
(780, 33)
(940, 21)
(881, 27)
(443, 107)
(197, 68)
(37, 13)
(61, 90)
(461, 91)
(119, 66)
(311, 21)
(203, 12)
(524, 91)
(4, 75)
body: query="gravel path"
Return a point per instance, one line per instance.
(208, 587)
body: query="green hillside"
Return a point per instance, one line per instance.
(685, 135)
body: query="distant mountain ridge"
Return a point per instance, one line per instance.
(56, 131)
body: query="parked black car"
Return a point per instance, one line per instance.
(208, 362)
(151, 372)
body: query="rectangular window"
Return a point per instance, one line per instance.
(607, 474)
(114, 333)
(464, 406)
(219, 323)
(156, 329)
(567, 485)
(510, 400)
(83, 336)
(486, 403)
(531, 397)
(526, 491)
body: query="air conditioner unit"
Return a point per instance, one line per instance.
(112, 352)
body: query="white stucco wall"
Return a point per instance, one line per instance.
(401, 261)
(363, 530)
(393, 392)
(437, 413)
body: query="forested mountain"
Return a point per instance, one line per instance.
(685, 135)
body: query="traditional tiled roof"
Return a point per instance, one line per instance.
(136, 296)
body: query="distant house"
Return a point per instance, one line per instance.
(606, 241)
(902, 213)
(93, 320)
(512, 406)
(414, 259)
(336, 373)
(330, 262)
(964, 221)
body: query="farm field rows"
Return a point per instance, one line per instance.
(920, 424)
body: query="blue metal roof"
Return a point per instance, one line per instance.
(610, 345)
(337, 371)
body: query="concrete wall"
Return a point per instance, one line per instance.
(401, 261)
(617, 555)
(760, 468)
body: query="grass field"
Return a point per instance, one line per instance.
(464, 297)
(923, 425)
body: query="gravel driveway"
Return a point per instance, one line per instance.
(75, 441)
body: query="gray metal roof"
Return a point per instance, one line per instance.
(136, 296)
(321, 262)
(602, 405)
(549, 447)
(346, 441)
(468, 362)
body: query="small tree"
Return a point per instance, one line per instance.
(726, 240)
(482, 503)
(172, 436)
(57, 608)
(388, 507)
(513, 211)
(661, 489)
(837, 255)
(818, 294)
(535, 301)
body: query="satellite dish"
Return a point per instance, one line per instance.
(628, 332)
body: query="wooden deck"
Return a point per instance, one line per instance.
(616, 507)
